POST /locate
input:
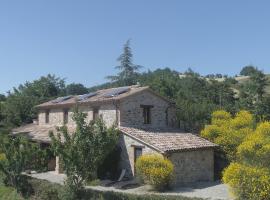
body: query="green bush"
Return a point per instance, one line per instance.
(44, 190)
(155, 170)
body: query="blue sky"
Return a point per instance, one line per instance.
(80, 40)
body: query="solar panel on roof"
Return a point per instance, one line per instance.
(116, 92)
(61, 99)
(86, 96)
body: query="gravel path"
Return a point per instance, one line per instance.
(50, 176)
(208, 190)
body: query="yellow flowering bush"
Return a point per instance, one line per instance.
(220, 117)
(229, 132)
(243, 119)
(2, 157)
(255, 150)
(248, 183)
(155, 170)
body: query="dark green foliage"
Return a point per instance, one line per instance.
(19, 154)
(76, 89)
(19, 105)
(253, 96)
(248, 70)
(195, 96)
(109, 168)
(128, 71)
(44, 190)
(108, 195)
(2, 98)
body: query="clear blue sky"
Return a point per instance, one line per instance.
(80, 40)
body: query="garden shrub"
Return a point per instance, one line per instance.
(155, 170)
(44, 190)
(248, 183)
(220, 116)
(229, 132)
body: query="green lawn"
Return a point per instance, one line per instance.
(8, 193)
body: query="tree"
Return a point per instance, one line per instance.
(83, 151)
(19, 155)
(248, 70)
(128, 71)
(253, 95)
(259, 81)
(76, 89)
(19, 105)
(2, 98)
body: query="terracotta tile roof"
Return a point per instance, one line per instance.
(37, 132)
(100, 97)
(167, 140)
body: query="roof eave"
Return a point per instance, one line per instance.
(143, 142)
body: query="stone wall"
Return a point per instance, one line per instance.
(191, 166)
(108, 114)
(131, 113)
(127, 145)
(107, 111)
(55, 117)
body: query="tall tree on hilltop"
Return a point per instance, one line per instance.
(128, 71)
(248, 70)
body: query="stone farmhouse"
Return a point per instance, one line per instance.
(147, 122)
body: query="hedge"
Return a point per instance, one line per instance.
(44, 190)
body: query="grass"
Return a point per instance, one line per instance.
(9, 193)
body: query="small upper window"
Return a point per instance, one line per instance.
(65, 116)
(95, 113)
(146, 114)
(47, 116)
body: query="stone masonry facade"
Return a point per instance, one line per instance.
(190, 166)
(162, 114)
(128, 111)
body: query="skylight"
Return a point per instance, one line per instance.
(61, 99)
(116, 91)
(86, 96)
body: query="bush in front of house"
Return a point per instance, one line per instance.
(155, 170)
(248, 182)
(44, 190)
(82, 151)
(249, 177)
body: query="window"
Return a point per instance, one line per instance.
(47, 116)
(65, 116)
(146, 114)
(95, 113)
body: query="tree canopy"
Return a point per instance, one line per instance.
(128, 71)
(248, 70)
(84, 150)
